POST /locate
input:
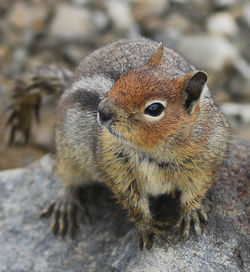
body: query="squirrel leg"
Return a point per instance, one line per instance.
(27, 94)
(139, 213)
(63, 211)
(142, 219)
(147, 229)
(192, 213)
(138, 208)
(145, 238)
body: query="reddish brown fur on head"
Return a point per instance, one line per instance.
(132, 93)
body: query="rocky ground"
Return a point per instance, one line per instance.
(213, 35)
(108, 242)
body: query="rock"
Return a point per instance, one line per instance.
(100, 19)
(4, 4)
(172, 30)
(208, 52)
(24, 16)
(222, 23)
(120, 15)
(108, 243)
(177, 21)
(238, 116)
(223, 4)
(20, 54)
(4, 52)
(246, 14)
(143, 10)
(243, 67)
(22, 24)
(72, 24)
(240, 112)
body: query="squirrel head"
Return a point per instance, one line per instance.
(147, 105)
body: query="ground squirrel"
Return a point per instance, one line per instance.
(140, 118)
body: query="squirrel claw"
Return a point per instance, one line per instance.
(145, 239)
(63, 214)
(192, 216)
(48, 210)
(63, 217)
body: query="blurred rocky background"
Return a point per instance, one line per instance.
(214, 35)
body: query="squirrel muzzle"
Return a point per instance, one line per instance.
(106, 111)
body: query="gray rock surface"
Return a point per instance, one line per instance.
(108, 242)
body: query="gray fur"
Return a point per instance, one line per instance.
(117, 58)
(94, 83)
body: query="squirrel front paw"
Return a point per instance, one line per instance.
(63, 212)
(145, 238)
(147, 233)
(189, 217)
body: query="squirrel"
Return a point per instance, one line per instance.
(140, 118)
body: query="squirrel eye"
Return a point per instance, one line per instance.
(155, 109)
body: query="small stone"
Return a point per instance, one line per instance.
(71, 24)
(21, 15)
(26, 16)
(223, 4)
(236, 112)
(20, 54)
(100, 20)
(144, 9)
(246, 14)
(221, 96)
(208, 52)
(243, 67)
(120, 14)
(222, 23)
(4, 52)
(177, 21)
(245, 111)
(170, 37)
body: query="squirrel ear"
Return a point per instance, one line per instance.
(157, 58)
(194, 84)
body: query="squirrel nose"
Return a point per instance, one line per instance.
(105, 111)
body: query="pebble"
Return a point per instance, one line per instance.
(72, 24)
(246, 14)
(144, 9)
(23, 16)
(4, 52)
(208, 52)
(222, 23)
(178, 22)
(120, 14)
(223, 4)
(100, 20)
(173, 29)
(241, 112)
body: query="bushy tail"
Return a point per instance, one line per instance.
(27, 95)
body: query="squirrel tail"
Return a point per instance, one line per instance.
(27, 94)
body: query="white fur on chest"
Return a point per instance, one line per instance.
(154, 180)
